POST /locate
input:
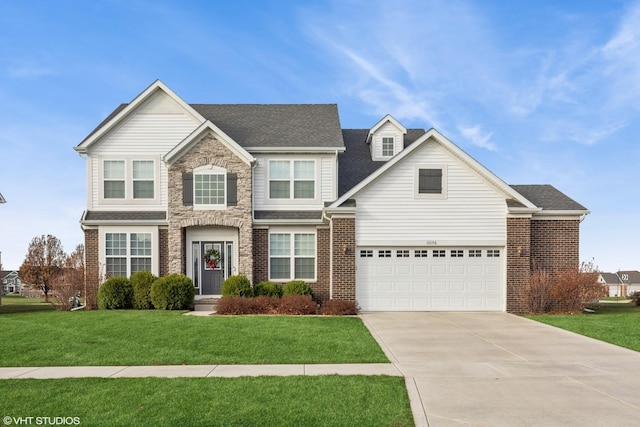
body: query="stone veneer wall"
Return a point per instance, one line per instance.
(518, 262)
(344, 258)
(555, 244)
(210, 151)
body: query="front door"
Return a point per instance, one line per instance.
(213, 273)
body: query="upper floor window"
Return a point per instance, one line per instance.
(114, 179)
(143, 182)
(387, 146)
(209, 186)
(128, 180)
(430, 181)
(292, 179)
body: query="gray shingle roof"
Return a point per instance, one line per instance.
(277, 125)
(125, 216)
(288, 215)
(610, 278)
(355, 163)
(548, 197)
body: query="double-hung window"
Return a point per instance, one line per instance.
(143, 182)
(292, 179)
(127, 253)
(128, 180)
(114, 179)
(292, 256)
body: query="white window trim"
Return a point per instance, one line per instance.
(393, 145)
(210, 170)
(128, 181)
(291, 199)
(128, 231)
(292, 257)
(416, 182)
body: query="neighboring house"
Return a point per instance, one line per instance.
(631, 279)
(399, 219)
(611, 281)
(10, 282)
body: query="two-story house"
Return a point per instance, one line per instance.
(399, 219)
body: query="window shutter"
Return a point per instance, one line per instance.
(430, 181)
(187, 189)
(232, 189)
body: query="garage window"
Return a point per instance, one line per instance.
(457, 253)
(402, 253)
(475, 253)
(386, 253)
(439, 253)
(366, 253)
(421, 253)
(493, 253)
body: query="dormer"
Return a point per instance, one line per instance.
(386, 138)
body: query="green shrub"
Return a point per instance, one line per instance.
(172, 292)
(269, 289)
(115, 293)
(237, 286)
(297, 287)
(141, 282)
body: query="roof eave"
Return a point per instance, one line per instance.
(295, 149)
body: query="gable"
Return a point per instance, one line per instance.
(467, 208)
(157, 114)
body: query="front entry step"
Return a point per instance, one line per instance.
(208, 304)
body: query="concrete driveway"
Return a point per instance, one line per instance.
(497, 369)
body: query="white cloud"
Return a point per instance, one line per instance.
(477, 137)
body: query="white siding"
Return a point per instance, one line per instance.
(388, 211)
(325, 183)
(151, 131)
(386, 131)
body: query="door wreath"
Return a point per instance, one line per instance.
(212, 258)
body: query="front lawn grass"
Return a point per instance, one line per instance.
(246, 401)
(615, 323)
(19, 304)
(155, 337)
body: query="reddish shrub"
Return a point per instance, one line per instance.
(635, 298)
(237, 305)
(297, 304)
(575, 289)
(335, 307)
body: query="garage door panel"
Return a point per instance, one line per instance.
(443, 283)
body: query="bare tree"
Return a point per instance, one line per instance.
(68, 285)
(44, 262)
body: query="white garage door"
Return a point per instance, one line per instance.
(443, 279)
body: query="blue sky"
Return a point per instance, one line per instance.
(544, 92)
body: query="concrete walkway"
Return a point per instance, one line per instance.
(496, 369)
(173, 371)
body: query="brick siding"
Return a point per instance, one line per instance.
(163, 251)
(92, 267)
(555, 244)
(518, 262)
(323, 243)
(260, 255)
(344, 258)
